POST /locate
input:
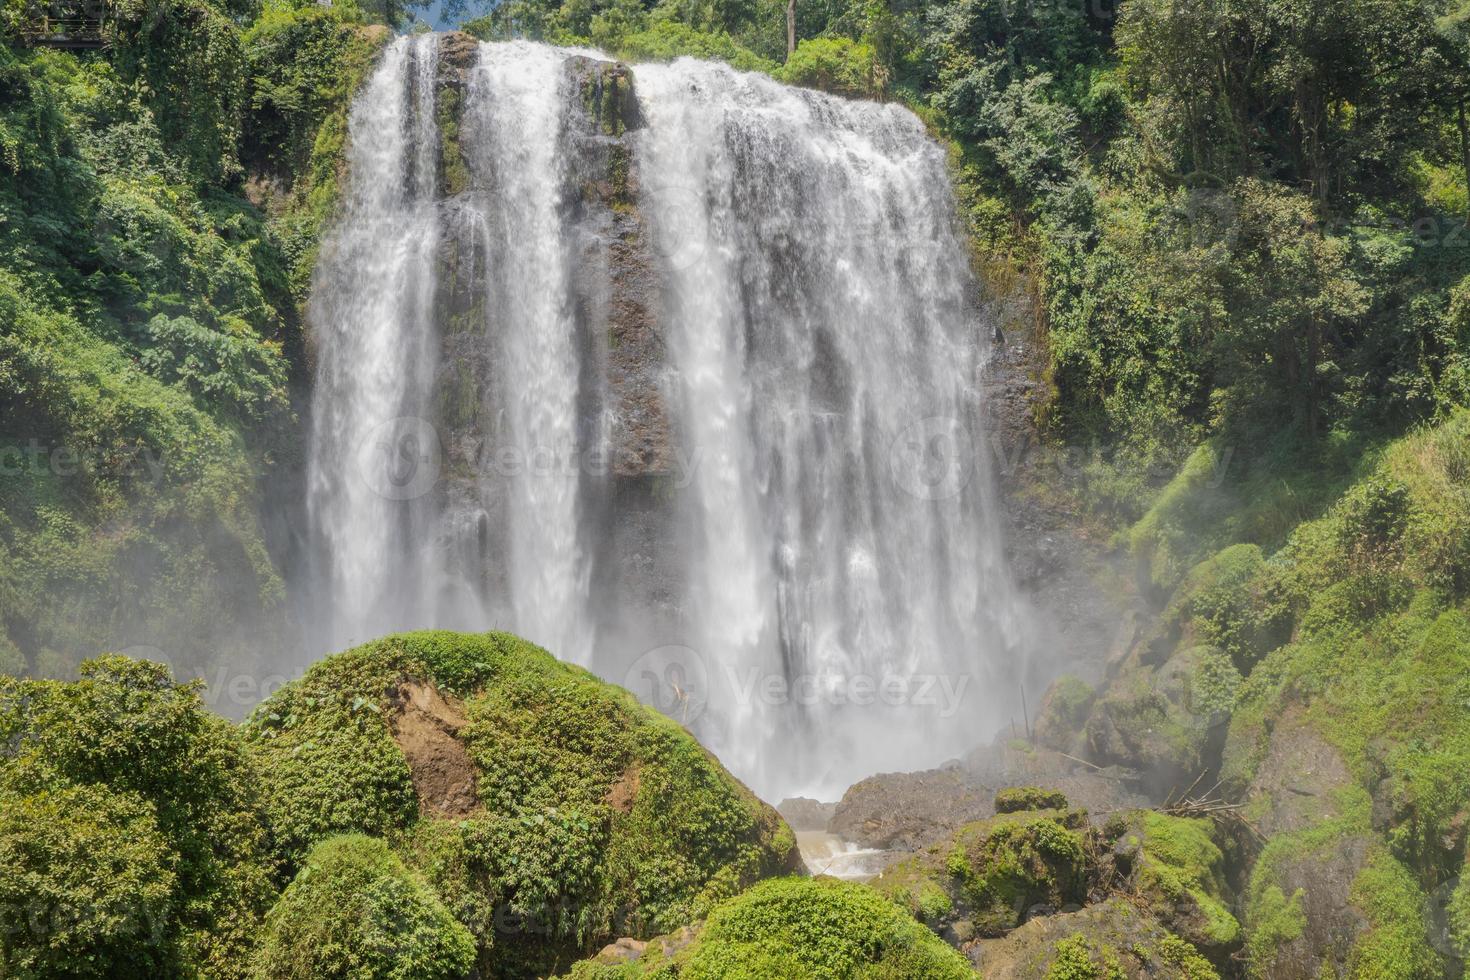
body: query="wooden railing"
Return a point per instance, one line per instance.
(65, 29)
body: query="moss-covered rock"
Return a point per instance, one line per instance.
(1018, 799)
(801, 929)
(355, 912)
(1166, 721)
(1063, 712)
(993, 874)
(1176, 872)
(1332, 900)
(552, 811)
(1113, 940)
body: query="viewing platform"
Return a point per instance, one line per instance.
(59, 24)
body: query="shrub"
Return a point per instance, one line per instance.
(131, 765)
(88, 889)
(821, 929)
(354, 912)
(838, 65)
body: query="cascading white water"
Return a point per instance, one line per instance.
(371, 310)
(819, 582)
(828, 354)
(515, 116)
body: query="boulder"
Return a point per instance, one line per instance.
(1112, 939)
(550, 811)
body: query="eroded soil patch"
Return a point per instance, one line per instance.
(426, 726)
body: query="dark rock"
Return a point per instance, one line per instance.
(1319, 883)
(806, 814)
(1113, 933)
(909, 811)
(1296, 784)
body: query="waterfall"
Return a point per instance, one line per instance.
(675, 372)
(371, 451)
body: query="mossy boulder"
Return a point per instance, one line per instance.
(796, 928)
(355, 912)
(549, 809)
(1113, 940)
(1331, 900)
(1063, 712)
(131, 839)
(1019, 799)
(1167, 720)
(993, 874)
(1177, 873)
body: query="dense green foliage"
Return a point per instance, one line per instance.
(595, 817)
(132, 840)
(1142, 882)
(143, 836)
(150, 332)
(354, 912)
(796, 929)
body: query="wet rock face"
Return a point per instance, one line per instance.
(1077, 585)
(1318, 899)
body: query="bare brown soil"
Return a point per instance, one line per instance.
(426, 726)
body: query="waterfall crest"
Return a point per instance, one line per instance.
(673, 370)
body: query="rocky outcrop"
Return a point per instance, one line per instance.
(805, 814)
(1113, 936)
(910, 811)
(1000, 876)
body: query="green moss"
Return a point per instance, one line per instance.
(1063, 710)
(1396, 945)
(1073, 960)
(598, 818)
(453, 169)
(1022, 798)
(814, 929)
(1183, 867)
(1005, 866)
(1458, 917)
(354, 912)
(1275, 919)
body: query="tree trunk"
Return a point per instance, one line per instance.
(1465, 155)
(790, 28)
